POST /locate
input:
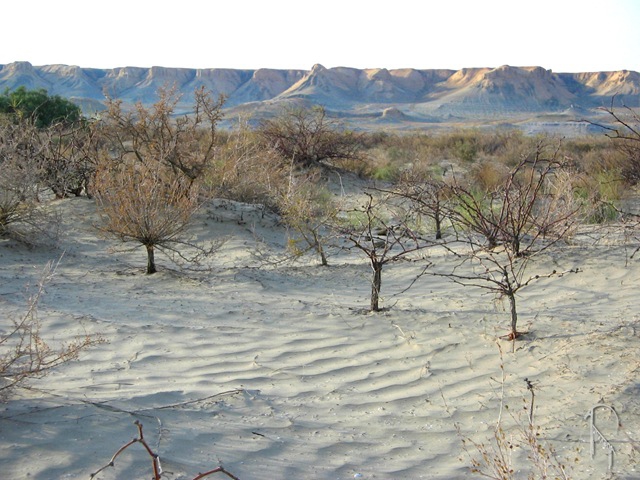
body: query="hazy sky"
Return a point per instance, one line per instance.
(562, 35)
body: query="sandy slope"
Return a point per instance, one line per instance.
(276, 373)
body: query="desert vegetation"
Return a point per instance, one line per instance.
(25, 352)
(489, 209)
(504, 226)
(148, 176)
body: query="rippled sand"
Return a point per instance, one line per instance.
(275, 372)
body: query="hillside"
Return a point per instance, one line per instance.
(420, 98)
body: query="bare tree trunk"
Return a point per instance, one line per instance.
(514, 315)
(376, 285)
(323, 256)
(320, 249)
(515, 244)
(151, 261)
(438, 220)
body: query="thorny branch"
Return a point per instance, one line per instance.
(155, 459)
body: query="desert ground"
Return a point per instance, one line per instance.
(275, 370)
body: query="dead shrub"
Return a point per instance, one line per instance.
(25, 353)
(22, 149)
(246, 171)
(488, 175)
(149, 206)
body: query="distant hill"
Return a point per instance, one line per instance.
(369, 98)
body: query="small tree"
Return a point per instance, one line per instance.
(431, 199)
(145, 205)
(383, 233)
(308, 137)
(147, 183)
(524, 218)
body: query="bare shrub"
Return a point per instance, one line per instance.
(24, 352)
(147, 205)
(22, 148)
(506, 228)
(186, 144)
(69, 159)
(384, 232)
(625, 133)
(309, 138)
(247, 171)
(308, 210)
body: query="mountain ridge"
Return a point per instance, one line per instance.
(423, 96)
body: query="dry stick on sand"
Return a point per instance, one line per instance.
(155, 459)
(533, 397)
(495, 459)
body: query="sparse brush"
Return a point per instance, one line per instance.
(245, 170)
(149, 174)
(488, 175)
(25, 353)
(502, 456)
(309, 210)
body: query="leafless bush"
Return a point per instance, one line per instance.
(309, 211)
(186, 144)
(384, 232)
(24, 352)
(308, 137)
(69, 158)
(504, 229)
(625, 133)
(22, 217)
(147, 205)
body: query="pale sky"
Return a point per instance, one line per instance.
(561, 35)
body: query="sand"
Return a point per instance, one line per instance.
(275, 372)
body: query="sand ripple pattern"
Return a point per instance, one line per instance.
(277, 373)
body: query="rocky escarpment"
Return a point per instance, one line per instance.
(414, 95)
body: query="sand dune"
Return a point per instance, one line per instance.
(275, 372)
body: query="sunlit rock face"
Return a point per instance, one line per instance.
(361, 95)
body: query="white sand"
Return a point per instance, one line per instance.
(286, 378)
